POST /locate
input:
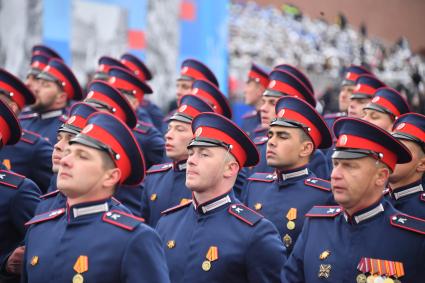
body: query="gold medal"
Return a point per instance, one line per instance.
(378, 279)
(290, 225)
(287, 240)
(206, 265)
(371, 278)
(78, 278)
(388, 280)
(397, 281)
(361, 278)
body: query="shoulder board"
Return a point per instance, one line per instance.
(10, 179)
(408, 222)
(259, 129)
(335, 115)
(115, 201)
(422, 197)
(324, 211)
(386, 191)
(29, 137)
(46, 216)
(159, 168)
(28, 116)
(176, 208)
(262, 177)
(245, 214)
(260, 140)
(142, 127)
(250, 114)
(121, 219)
(50, 195)
(318, 184)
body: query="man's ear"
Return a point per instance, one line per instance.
(383, 174)
(421, 164)
(62, 98)
(112, 177)
(307, 149)
(231, 169)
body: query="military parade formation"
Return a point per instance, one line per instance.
(98, 185)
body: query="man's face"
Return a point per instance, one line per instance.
(267, 110)
(354, 181)
(284, 147)
(183, 87)
(409, 172)
(81, 171)
(59, 149)
(379, 119)
(344, 97)
(253, 92)
(205, 167)
(32, 83)
(355, 108)
(46, 94)
(177, 139)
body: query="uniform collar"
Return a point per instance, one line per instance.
(213, 204)
(283, 175)
(407, 190)
(51, 114)
(365, 213)
(180, 166)
(87, 208)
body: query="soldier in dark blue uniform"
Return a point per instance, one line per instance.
(407, 181)
(210, 93)
(19, 198)
(144, 74)
(31, 156)
(284, 198)
(365, 239)
(164, 186)
(385, 108)
(348, 85)
(214, 238)
(283, 83)
(56, 86)
(190, 71)
(258, 80)
(103, 155)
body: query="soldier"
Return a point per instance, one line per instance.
(144, 74)
(164, 186)
(284, 198)
(214, 238)
(19, 198)
(190, 71)
(385, 107)
(365, 239)
(406, 182)
(257, 82)
(31, 155)
(283, 83)
(56, 86)
(149, 138)
(102, 156)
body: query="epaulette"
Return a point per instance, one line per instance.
(259, 129)
(176, 208)
(143, 127)
(159, 168)
(245, 214)
(335, 115)
(318, 183)
(28, 116)
(50, 195)
(324, 211)
(422, 197)
(250, 114)
(10, 179)
(260, 140)
(262, 177)
(121, 219)
(408, 222)
(29, 137)
(46, 216)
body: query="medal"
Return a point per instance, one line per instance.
(371, 279)
(361, 278)
(378, 279)
(291, 216)
(388, 280)
(290, 225)
(206, 265)
(287, 240)
(78, 278)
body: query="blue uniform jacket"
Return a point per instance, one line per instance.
(220, 241)
(31, 157)
(285, 199)
(154, 112)
(250, 122)
(409, 199)
(332, 244)
(98, 241)
(151, 142)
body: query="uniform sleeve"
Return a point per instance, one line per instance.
(130, 197)
(42, 166)
(293, 270)
(24, 204)
(144, 258)
(266, 254)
